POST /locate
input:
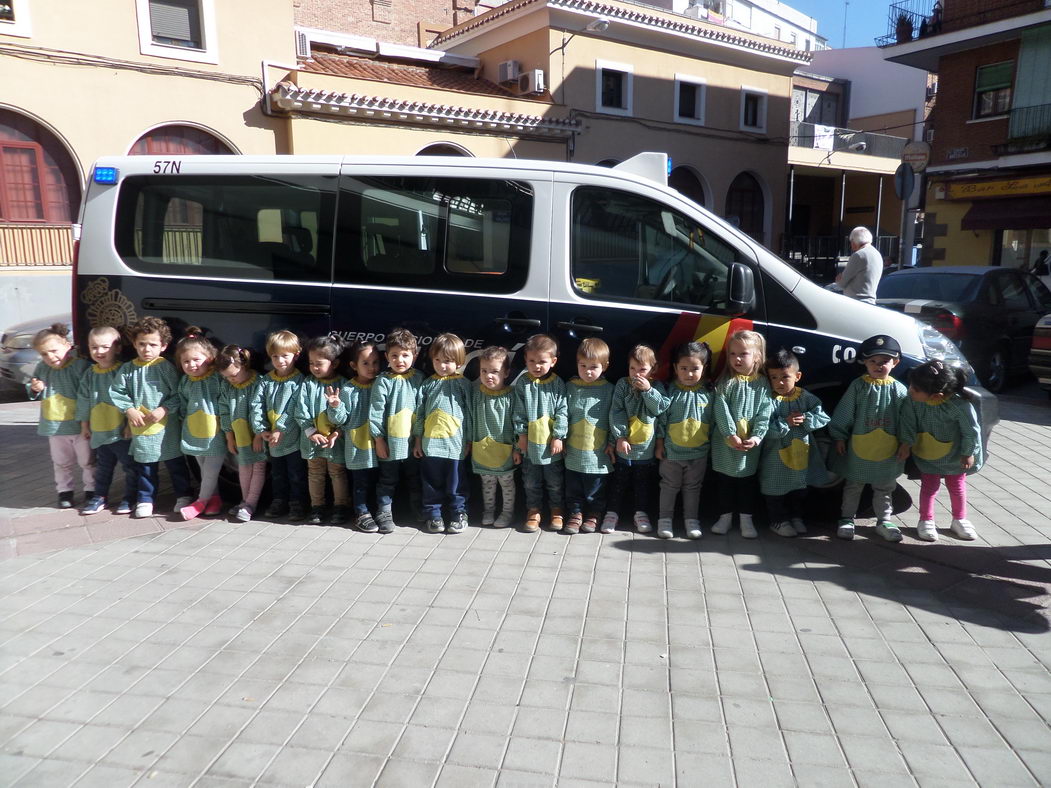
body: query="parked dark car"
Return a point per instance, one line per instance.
(17, 357)
(1040, 353)
(989, 312)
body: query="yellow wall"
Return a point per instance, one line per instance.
(961, 247)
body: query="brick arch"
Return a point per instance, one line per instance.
(39, 180)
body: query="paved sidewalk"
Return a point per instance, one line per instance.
(217, 654)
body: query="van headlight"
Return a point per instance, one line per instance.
(937, 345)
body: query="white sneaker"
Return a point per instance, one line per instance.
(723, 524)
(182, 502)
(964, 530)
(888, 530)
(784, 529)
(927, 531)
(799, 525)
(503, 520)
(609, 523)
(748, 527)
(143, 510)
(845, 528)
(664, 528)
(488, 517)
(693, 529)
(642, 523)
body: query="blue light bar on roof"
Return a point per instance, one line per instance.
(106, 175)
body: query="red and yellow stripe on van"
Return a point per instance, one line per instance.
(692, 327)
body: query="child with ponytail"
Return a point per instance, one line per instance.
(201, 437)
(239, 385)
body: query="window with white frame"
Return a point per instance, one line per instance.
(689, 99)
(613, 87)
(179, 29)
(14, 18)
(753, 109)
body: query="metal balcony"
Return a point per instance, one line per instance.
(828, 138)
(1029, 130)
(905, 20)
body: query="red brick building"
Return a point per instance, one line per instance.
(988, 184)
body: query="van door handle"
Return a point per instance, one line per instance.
(524, 322)
(573, 326)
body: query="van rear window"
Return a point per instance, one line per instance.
(434, 233)
(258, 227)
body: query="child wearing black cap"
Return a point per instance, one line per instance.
(865, 428)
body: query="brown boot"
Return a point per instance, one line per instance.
(532, 521)
(556, 519)
(573, 524)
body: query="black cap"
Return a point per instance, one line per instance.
(880, 345)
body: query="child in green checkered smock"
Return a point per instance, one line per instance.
(865, 427)
(683, 432)
(240, 384)
(105, 423)
(540, 422)
(494, 454)
(321, 442)
(638, 400)
(55, 382)
(349, 410)
(742, 408)
(941, 429)
(202, 438)
(589, 447)
(147, 390)
(786, 450)
(442, 436)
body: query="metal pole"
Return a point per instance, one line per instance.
(879, 207)
(842, 211)
(901, 239)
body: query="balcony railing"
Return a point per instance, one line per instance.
(828, 138)
(1030, 121)
(35, 244)
(908, 20)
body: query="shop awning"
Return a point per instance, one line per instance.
(1014, 213)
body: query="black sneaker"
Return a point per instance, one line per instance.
(315, 517)
(277, 508)
(436, 526)
(339, 515)
(384, 522)
(297, 513)
(458, 523)
(65, 499)
(365, 523)
(94, 505)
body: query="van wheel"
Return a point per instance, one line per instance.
(995, 373)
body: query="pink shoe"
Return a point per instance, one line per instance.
(193, 510)
(215, 505)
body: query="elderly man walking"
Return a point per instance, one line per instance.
(862, 273)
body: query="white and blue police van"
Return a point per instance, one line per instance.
(492, 250)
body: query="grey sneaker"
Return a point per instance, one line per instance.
(489, 517)
(748, 530)
(244, 513)
(436, 526)
(365, 523)
(799, 525)
(693, 529)
(504, 520)
(642, 523)
(609, 523)
(458, 524)
(664, 528)
(723, 524)
(963, 530)
(845, 528)
(888, 531)
(927, 531)
(784, 529)
(143, 510)
(384, 521)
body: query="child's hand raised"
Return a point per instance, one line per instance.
(641, 383)
(36, 385)
(332, 396)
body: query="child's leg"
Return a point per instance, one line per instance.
(642, 482)
(122, 451)
(554, 483)
(64, 460)
(86, 460)
(255, 486)
(594, 494)
(851, 496)
(533, 483)
(297, 479)
(672, 473)
(929, 484)
(316, 472)
(340, 486)
(361, 479)
(410, 468)
(389, 471)
(105, 463)
(619, 484)
(747, 491)
(575, 483)
(727, 493)
(149, 473)
(459, 487)
(244, 479)
(210, 467)
(882, 504)
(692, 479)
(507, 495)
(957, 487)
(433, 476)
(279, 478)
(777, 508)
(795, 500)
(180, 476)
(488, 498)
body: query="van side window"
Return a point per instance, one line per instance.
(434, 233)
(239, 227)
(628, 247)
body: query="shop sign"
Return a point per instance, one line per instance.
(1004, 188)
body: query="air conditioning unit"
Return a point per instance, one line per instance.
(302, 45)
(531, 82)
(509, 71)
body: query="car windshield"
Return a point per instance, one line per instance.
(936, 287)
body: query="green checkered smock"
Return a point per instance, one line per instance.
(359, 450)
(392, 410)
(95, 405)
(588, 406)
(633, 415)
(540, 414)
(201, 436)
(867, 417)
(147, 385)
(58, 400)
(686, 425)
(786, 450)
(492, 431)
(742, 406)
(941, 432)
(274, 408)
(234, 402)
(443, 416)
(312, 416)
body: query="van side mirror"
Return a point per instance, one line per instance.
(740, 295)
